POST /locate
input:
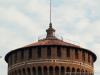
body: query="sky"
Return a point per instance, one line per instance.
(24, 21)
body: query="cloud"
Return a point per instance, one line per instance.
(22, 21)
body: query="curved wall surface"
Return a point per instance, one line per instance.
(41, 59)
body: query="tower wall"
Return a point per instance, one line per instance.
(61, 60)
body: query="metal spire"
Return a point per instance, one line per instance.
(50, 31)
(50, 25)
(50, 12)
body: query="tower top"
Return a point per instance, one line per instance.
(50, 25)
(50, 32)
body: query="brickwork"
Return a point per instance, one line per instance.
(54, 61)
(51, 56)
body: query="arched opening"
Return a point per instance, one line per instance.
(33, 71)
(16, 72)
(45, 71)
(68, 71)
(86, 72)
(82, 72)
(78, 72)
(62, 70)
(73, 71)
(28, 71)
(51, 70)
(56, 70)
(24, 73)
(19, 71)
(39, 71)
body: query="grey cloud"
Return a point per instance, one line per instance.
(69, 19)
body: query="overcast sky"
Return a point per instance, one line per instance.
(24, 21)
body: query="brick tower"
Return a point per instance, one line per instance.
(51, 56)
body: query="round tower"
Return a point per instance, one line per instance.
(51, 56)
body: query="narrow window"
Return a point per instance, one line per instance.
(39, 52)
(76, 54)
(30, 54)
(68, 52)
(59, 51)
(83, 55)
(88, 58)
(49, 52)
(15, 57)
(22, 54)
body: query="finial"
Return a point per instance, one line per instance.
(50, 25)
(50, 32)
